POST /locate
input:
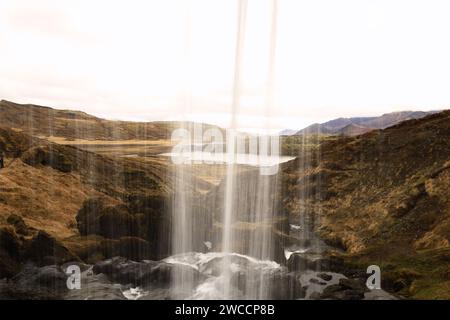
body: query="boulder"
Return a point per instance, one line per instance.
(36, 283)
(9, 242)
(19, 225)
(43, 155)
(115, 222)
(125, 271)
(325, 276)
(98, 217)
(88, 216)
(353, 284)
(285, 286)
(128, 247)
(146, 273)
(8, 266)
(301, 262)
(163, 272)
(134, 248)
(347, 289)
(141, 217)
(317, 281)
(45, 249)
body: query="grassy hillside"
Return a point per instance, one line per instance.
(70, 125)
(383, 198)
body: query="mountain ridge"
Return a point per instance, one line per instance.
(365, 124)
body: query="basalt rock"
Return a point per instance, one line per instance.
(33, 283)
(325, 276)
(19, 225)
(44, 249)
(140, 225)
(98, 217)
(145, 273)
(9, 242)
(301, 262)
(347, 289)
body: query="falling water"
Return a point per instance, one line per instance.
(230, 186)
(249, 204)
(257, 207)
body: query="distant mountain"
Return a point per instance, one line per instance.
(354, 130)
(288, 132)
(360, 125)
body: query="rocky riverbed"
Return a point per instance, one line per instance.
(119, 278)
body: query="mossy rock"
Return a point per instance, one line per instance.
(19, 224)
(44, 249)
(46, 156)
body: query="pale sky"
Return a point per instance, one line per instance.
(174, 59)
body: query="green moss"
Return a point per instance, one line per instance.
(421, 275)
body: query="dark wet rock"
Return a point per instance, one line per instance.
(8, 266)
(305, 261)
(317, 281)
(278, 285)
(32, 282)
(88, 216)
(354, 284)
(116, 222)
(45, 249)
(109, 266)
(163, 272)
(330, 263)
(214, 266)
(125, 271)
(298, 262)
(325, 276)
(10, 251)
(335, 292)
(99, 217)
(96, 287)
(9, 242)
(132, 248)
(315, 296)
(19, 224)
(347, 289)
(148, 273)
(399, 285)
(83, 267)
(141, 217)
(354, 273)
(284, 286)
(158, 294)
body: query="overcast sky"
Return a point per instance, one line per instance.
(165, 60)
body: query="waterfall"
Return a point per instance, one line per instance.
(248, 199)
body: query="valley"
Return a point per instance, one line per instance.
(79, 188)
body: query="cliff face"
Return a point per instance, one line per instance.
(383, 195)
